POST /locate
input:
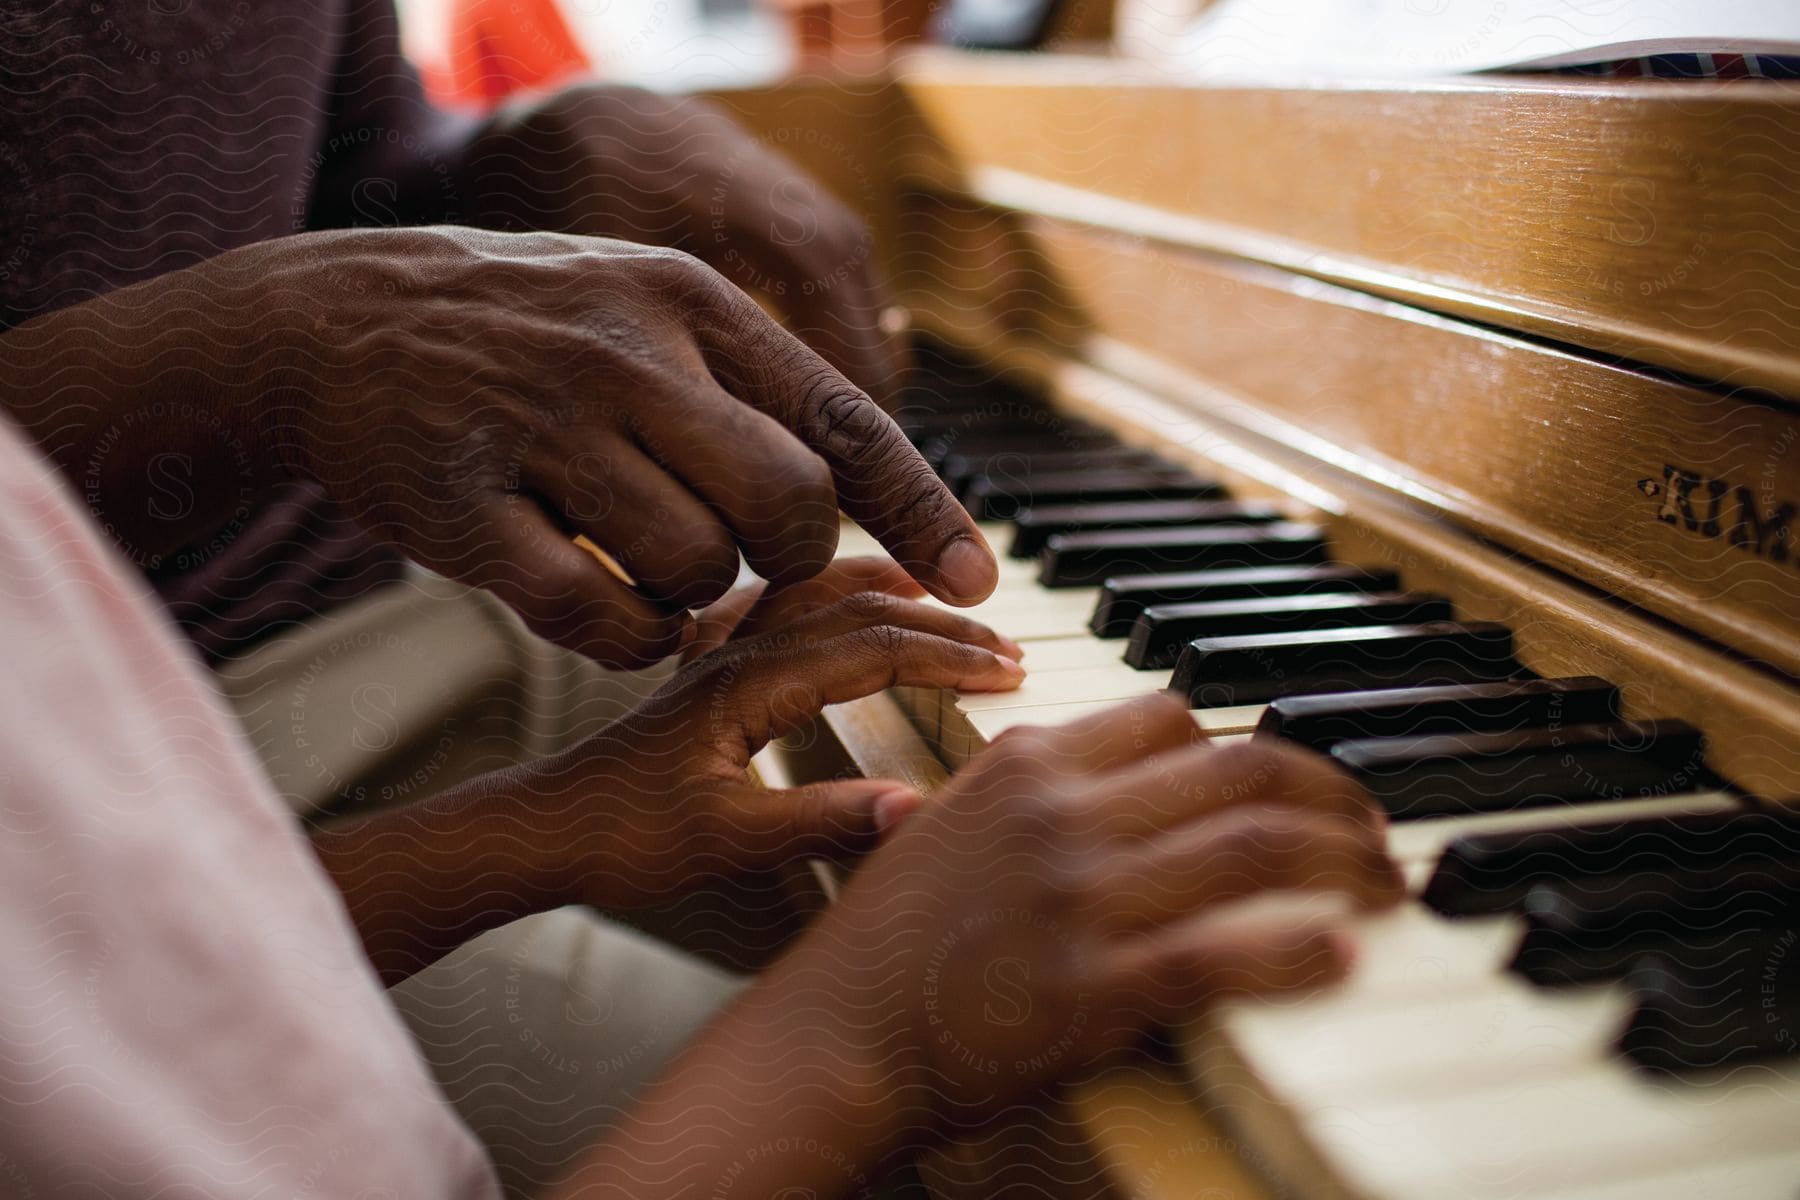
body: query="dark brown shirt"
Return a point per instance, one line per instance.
(143, 136)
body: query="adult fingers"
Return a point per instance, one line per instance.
(787, 237)
(832, 297)
(565, 594)
(881, 481)
(774, 493)
(676, 550)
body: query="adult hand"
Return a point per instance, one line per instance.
(675, 171)
(478, 398)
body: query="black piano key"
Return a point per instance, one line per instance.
(1086, 559)
(1492, 872)
(1321, 722)
(987, 418)
(1733, 1001)
(1451, 774)
(1033, 528)
(1582, 930)
(993, 498)
(1223, 672)
(939, 449)
(1123, 597)
(960, 471)
(1163, 629)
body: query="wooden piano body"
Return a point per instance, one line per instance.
(1534, 344)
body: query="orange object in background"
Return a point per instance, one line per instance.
(851, 35)
(498, 47)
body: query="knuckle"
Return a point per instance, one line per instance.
(1290, 852)
(673, 263)
(839, 417)
(1250, 771)
(1047, 822)
(1026, 743)
(803, 481)
(887, 642)
(1017, 751)
(1243, 846)
(869, 608)
(710, 552)
(1265, 835)
(678, 273)
(1092, 885)
(957, 627)
(1167, 719)
(699, 582)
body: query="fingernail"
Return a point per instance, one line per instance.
(1009, 647)
(893, 807)
(1010, 668)
(967, 570)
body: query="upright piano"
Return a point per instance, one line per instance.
(1451, 430)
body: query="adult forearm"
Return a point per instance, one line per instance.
(136, 396)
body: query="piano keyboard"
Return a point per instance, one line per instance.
(1544, 1016)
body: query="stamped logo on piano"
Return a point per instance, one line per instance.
(1719, 508)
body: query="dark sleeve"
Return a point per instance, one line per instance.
(387, 156)
(294, 557)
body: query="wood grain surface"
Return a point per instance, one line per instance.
(1650, 220)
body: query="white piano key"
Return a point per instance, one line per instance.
(963, 735)
(1062, 616)
(1771, 1176)
(968, 722)
(1363, 1051)
(1415, 873)
(1388, 1085)
(1231, 719)
(1077, 652)
(1548, 1133)
(1101, 690)
(1421, 841)
(1078, 685)
(1410, 953)
(855, 541)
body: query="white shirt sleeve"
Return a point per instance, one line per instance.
(185, 1009)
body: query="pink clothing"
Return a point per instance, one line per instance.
(185, 1010)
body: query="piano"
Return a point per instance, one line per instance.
(1451, 430)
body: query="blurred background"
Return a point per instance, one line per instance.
(473, 52)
